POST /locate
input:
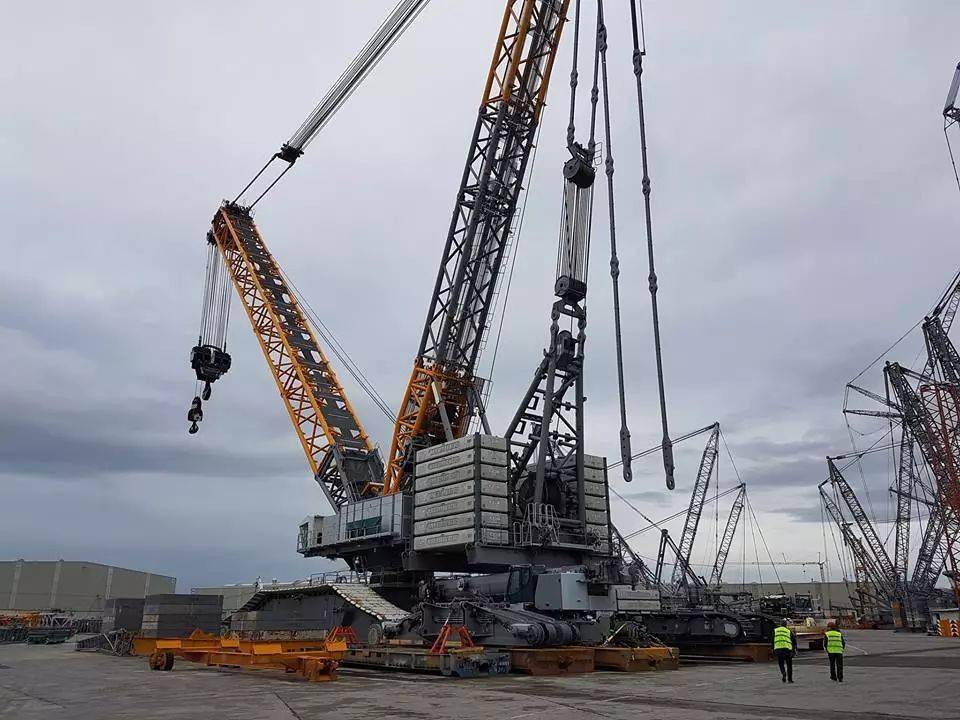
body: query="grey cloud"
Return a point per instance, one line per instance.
(785, 220)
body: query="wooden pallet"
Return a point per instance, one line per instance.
(813, 640)
(552, 661)
(747, 652)
(636, 659)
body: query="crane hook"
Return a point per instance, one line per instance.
(195, 414)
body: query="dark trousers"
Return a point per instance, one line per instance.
(836, 666)
(785, 661)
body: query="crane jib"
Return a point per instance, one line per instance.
(339, 452)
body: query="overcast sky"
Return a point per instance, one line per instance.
(804, 214)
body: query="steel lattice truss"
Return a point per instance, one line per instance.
(727, 540)
(930, 557)
(707, 462)
(548, 425)
(942, 401)
(864, 563)
(635, 568)
(906, 480)
(440, 395)
(881, 560)
(934, 439)
(940, 350)
(340, 454)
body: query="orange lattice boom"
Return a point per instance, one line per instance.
(340, 454)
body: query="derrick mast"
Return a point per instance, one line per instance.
(545, 436)
(443, 392)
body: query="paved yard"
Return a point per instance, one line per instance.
(888, 677)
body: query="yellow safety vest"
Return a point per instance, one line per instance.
(834, 641)
(781, 638)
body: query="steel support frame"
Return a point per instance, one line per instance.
(479, 230)
(549, 425)
(341, 456)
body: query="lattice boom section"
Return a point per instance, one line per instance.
(337, 448)
(942, 401)
(479, 229)
(695, 510)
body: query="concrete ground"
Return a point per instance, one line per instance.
(888, 677)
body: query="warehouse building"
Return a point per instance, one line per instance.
(73, 586)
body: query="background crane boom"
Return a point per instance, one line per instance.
(878, 552)
(707, 462)
(860, 555)
(728, 533)
(939, 450)
(906, 479)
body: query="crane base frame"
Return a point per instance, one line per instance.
(313, 660)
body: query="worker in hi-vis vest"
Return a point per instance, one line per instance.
(784, 647)
(834, 643)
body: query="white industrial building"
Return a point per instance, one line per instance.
(73, 586)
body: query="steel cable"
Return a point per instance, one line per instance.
(625, 453)
(638, 53)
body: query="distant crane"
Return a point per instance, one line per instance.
(708, 461)
(937, 444)
(885, 569)
(729, 531)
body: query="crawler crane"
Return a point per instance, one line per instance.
(521, 520)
